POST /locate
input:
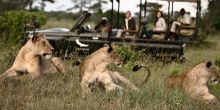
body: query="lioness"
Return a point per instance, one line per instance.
(93, 69)
(194, 81)
(34, 59)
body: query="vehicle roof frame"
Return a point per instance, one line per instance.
(198, 12)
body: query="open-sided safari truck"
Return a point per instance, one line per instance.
(79, 39)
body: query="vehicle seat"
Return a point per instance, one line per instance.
(159, 36)
(188, 31)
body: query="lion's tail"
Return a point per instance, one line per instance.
(138, 67)
(117, 76)
(5, 74)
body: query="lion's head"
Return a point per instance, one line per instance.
(113, 56)
(207, 70)
(40, 45)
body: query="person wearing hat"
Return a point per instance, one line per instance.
(102, 26)
(184, 19)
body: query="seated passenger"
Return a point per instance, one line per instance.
(102, 26)
(129, 28)
(184, 20)
(160, 26)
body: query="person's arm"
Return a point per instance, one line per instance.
(97, 26)
(186, 19)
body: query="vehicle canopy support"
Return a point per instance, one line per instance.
(198, 15)
(140, 13)
(118, 16)
(168, 19)
(110, 27)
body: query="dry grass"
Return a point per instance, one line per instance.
(58, 92)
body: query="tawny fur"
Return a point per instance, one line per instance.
(194, 81)
(94, 69)
(35, 59)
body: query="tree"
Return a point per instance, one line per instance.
(43, 4)
(97, 6)
(214, 13)
(152, 9)
(7, 5)
(80, 4)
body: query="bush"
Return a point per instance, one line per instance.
(127, 53)
(12, 23)
(217, 62)
(174, 71)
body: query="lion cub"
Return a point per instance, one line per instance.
(34, 59)
(94, 69)
(194, 81)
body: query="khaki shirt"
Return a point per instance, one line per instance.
(185, 19)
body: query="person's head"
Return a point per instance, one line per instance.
(104, 21)
(128, 14)
(182, 11)
(159, 14)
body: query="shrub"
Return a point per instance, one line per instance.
(217, 62)
(127, 53)
(12, 23)
(174, 71)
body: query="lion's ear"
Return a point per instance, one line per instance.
(106, 45)
(35, 37)
(208, 64)
(110, 49)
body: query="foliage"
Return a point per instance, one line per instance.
(61, 15)
(97, 7)
(127, 53)
(8, 5)
(217, 62)
(210, 19)
(174, 71)
(80, 4)
(214, 13)
(12, 23)
(152, 9)
(114, 18)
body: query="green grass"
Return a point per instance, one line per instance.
(63, 23)
(59, 92)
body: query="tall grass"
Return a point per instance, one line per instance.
(58, 92)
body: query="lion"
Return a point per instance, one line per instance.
(35, 59)
(194, 81)
(94, 69)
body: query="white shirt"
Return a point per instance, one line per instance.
(126, 22)
(185, 19)
(160, 25)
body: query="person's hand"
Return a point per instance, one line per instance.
(154, 29)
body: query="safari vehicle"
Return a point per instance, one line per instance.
(186, 33)
(79, 39)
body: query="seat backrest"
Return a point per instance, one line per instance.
(193, 22)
